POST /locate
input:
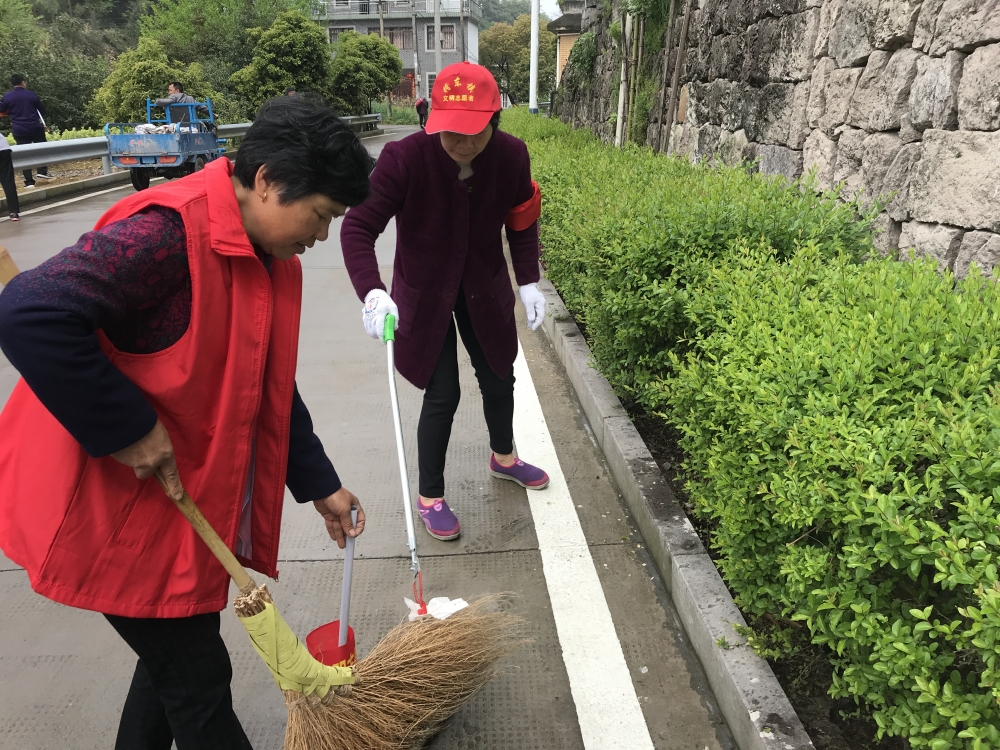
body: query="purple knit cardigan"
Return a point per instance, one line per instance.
(447, 238)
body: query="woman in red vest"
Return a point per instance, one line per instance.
(452, 189)
(165, 341)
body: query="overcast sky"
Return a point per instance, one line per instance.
(550, 8)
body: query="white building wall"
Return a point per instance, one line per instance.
(473, 41)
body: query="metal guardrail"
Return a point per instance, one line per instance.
(34, 155)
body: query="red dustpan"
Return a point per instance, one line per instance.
(333, 644)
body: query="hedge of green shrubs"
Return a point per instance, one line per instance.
(840, 417)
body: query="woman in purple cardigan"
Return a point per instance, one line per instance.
(451, 189)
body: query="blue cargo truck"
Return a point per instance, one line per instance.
(181, 142)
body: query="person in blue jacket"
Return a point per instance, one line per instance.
(27, 120)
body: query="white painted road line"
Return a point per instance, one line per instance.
(606, 703)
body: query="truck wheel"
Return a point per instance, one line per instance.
(140, 178)
(199, 164)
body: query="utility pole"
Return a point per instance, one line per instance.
(533, 73)
(623, 84)
(461, 25)
(437, 41)
(416, 52)
(381, 33)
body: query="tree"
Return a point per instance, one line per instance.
(62, 77)
(506, 51)
(293, 52)
(145, 72)
(503, 11)
(365, 67)
(216, 33)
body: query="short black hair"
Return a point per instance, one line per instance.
(178, 85)
(17, 79)
(289, 90)
(306, 149)
(495, 121)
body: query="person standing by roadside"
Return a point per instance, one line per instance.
(453, 189)
(421, 105)
(27, 122)
(7, 179)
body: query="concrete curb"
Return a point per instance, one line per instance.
(40, 195)
(754, 705)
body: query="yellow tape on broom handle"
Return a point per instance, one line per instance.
(204, 529)
(8, 270)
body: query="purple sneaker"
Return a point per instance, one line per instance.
(528, 476)
(439, 521)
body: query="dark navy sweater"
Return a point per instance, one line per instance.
(23, 106)
(132, 281)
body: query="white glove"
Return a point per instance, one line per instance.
(534, 305)
(378, 304)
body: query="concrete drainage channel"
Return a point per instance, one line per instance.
(753, 703)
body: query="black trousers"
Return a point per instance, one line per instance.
(423, 119)
(181, 686)
(7, 181)
(441, 401)
(37, 137)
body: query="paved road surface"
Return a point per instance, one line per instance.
(608, 666)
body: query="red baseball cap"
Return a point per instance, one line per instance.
(464, 98)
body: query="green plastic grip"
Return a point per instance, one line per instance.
(389, 332)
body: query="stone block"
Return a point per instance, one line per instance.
(779, 160)
(819, 156)
(847, 170)
(841, 89)
(895, 22)
(964, 25)
(799, 128)
(708, 143)
(896, 182)
(981, 248)
(878, 152)
(883, 92)
(931, 241)
(934, 93)
(979, 91)
(956, 180)
(699, 111)
(682, 104)
(736, 17)
(732, 148)
(923, 34)
(828, 14)
(907, 133)
(770, 120)
(817, 90)
(850, 37)
(885, 234)
(780, 49)
(727, 56)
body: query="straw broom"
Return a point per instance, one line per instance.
(397, 696)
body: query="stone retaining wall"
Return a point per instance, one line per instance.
(887, 97)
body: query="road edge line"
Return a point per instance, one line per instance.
(759, 714)
(608, 712)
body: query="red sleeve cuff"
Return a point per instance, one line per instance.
(523, 216)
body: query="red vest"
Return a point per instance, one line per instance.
(91, 535)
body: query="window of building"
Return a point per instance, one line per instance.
(336, 31)
(447, 36)
(401, 37)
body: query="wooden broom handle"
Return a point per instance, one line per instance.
(204, 529)
(8, 270)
